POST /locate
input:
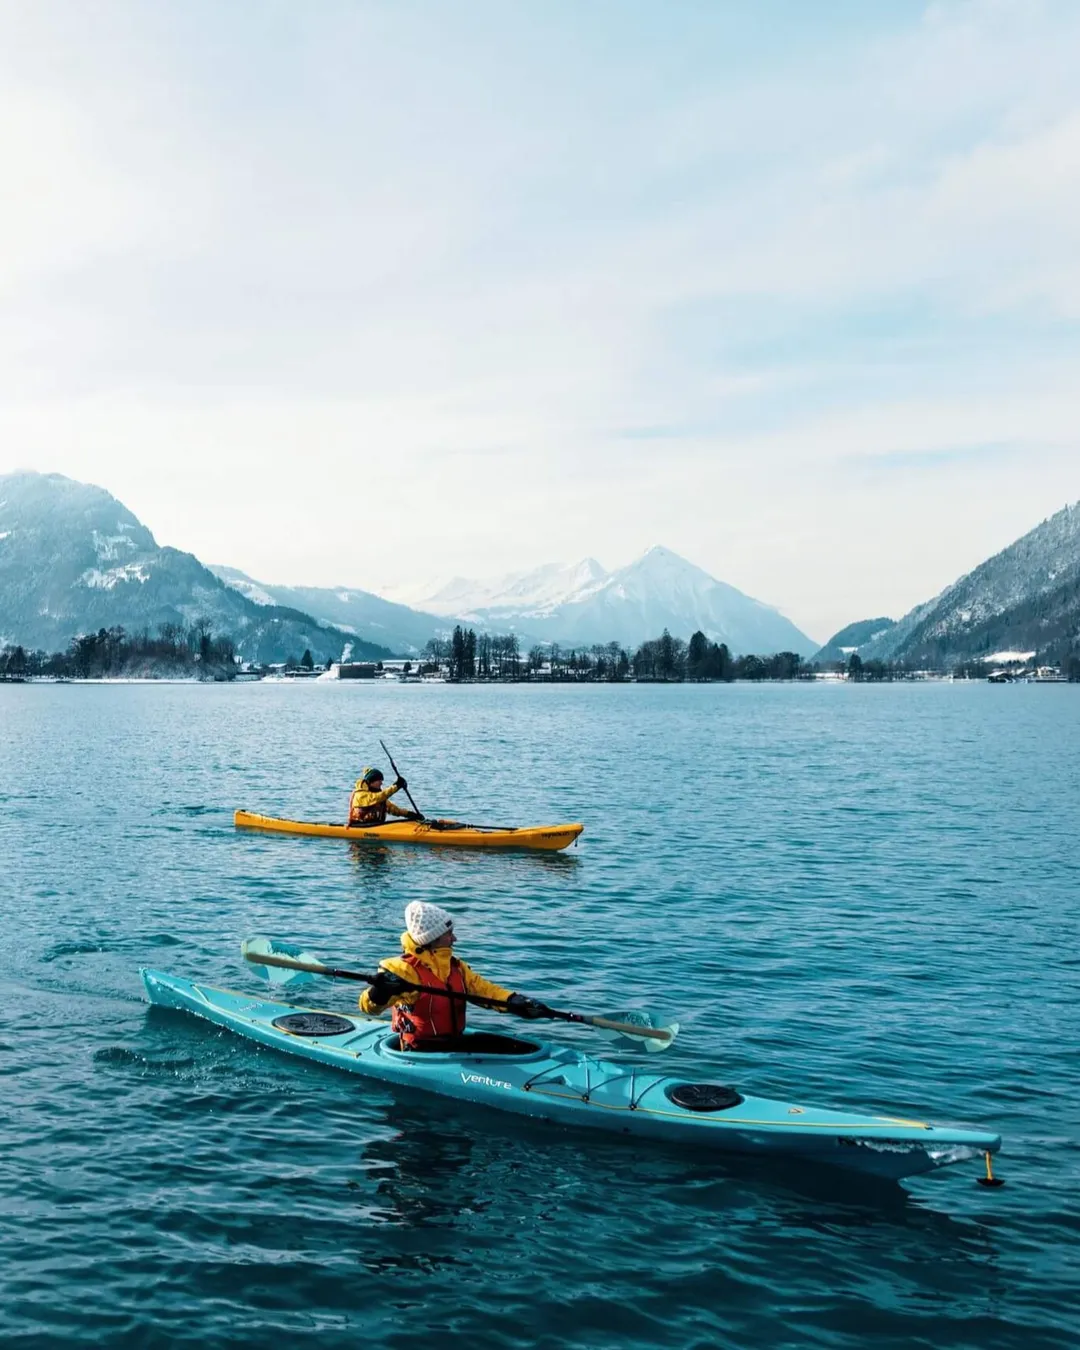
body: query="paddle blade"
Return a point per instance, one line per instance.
(254, 948)
(635, 1017)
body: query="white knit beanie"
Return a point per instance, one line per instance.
(426, 922)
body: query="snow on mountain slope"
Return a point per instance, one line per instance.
(583, 604)
(73, 559)
(663, 590)
(239, 581)
(1026, 596)
(542, 588)
(368, 616)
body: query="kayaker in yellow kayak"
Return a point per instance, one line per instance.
(370, 802)
(424, 1021)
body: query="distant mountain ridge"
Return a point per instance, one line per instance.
(73, 560)
(538, 591)
(402, 630)
(1025, 598)
(583, 604)
(853, 639)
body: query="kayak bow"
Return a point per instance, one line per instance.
(443, 833)
(558, 1084)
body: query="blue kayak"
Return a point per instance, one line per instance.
(559, 1084)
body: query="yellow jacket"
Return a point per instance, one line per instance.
(439, 962)
(364, 799)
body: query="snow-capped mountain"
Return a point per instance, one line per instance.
(662, 590)
(538, 591)
(1025, 598)
(73, 559)
(583, 604)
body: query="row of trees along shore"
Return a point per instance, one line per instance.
(471, 656)
(175, 649)
(193, 650)
(484, 656)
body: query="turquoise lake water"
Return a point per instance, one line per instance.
(852, 896)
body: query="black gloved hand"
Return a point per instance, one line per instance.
(385, 986)
(415, 815)
(400, 782)
(528, 1008)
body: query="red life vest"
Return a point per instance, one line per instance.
(431, 1019)
(366, 815)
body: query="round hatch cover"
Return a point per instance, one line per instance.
(703, 1096)
(313, 1024)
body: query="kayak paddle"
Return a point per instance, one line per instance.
(302, 964)
(393, 766)
(439, 824)
(636, 1028)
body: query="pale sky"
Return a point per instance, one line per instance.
(349, 293)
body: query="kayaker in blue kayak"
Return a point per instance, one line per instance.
(425, 1021)
(370, 802)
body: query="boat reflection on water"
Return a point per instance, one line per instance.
(373, 856)
(436, 1171)
(369, 857)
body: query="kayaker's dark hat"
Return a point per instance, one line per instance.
(371, 775)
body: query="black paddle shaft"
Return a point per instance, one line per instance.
(436, 992)
(336, 973)
(408, 794)
(362, 976)
(419, 988)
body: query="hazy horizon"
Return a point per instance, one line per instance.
(357, 295)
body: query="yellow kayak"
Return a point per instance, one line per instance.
(442, 833)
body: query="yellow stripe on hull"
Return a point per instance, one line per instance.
(549, 838)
